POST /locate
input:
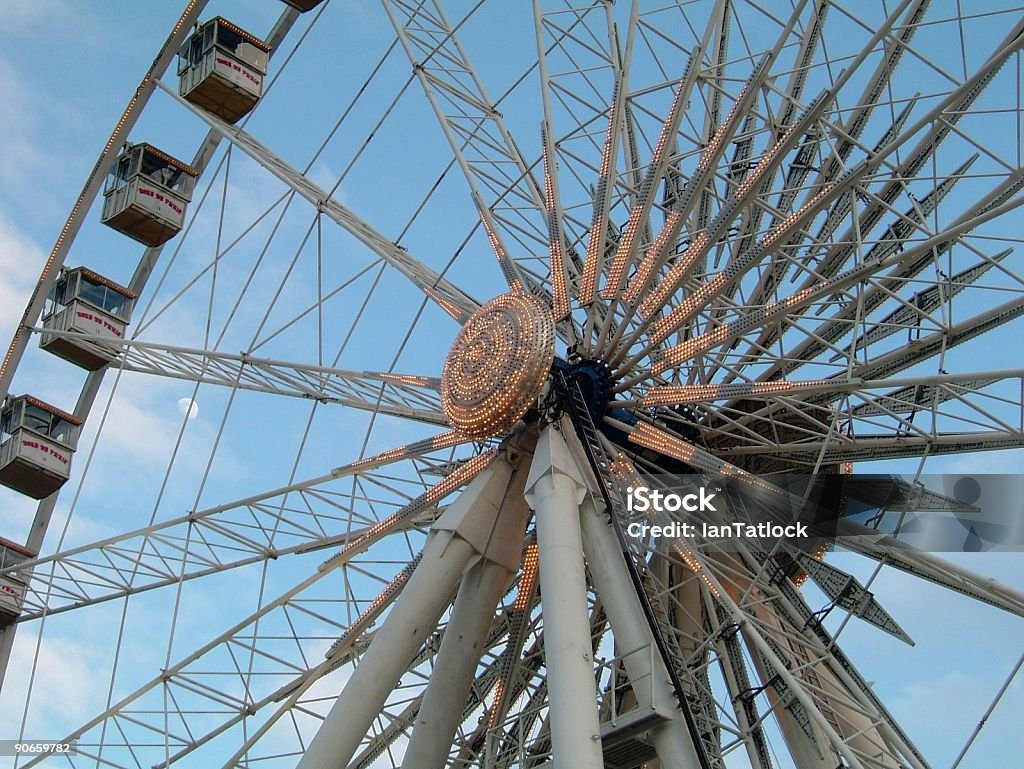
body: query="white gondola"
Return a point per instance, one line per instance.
(37, 442)
(84, 302)
(303, 5)
(13, 583)
(146, 194)
(221, 69)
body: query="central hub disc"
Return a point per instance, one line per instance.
(498, 365)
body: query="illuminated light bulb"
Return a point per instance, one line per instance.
(666, 396)
(444, 304)
(499, 696)
(415, 380)
(680, 270)
(531, 561)
(442, 441)
(498, 365)
(687, 308)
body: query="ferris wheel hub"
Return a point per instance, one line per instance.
(498, 364)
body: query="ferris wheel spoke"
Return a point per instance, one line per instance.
(669, 395)
(606, 177)
(731, 207)
(851, 131)
(726, 334)
(519, 626)
(628, 246)
(874, 295)
(764, 170)
(219, 680)
(400, 395)
(927, 566)
(299, 518)
(198, 691)
(776, 313)
(442, 292)
(508, 199)
(761, 415)
(663, 442)
(582, 56)
(968, 392)
(867, 416)
(556, 246)
(959, 101)
(878, 447)
(827, 334)
(579, 61)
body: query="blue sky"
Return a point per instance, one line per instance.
(66, 70)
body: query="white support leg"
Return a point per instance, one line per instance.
(647, 673)
(472, 617)
(554, 490)
(804, 751)
(413, 617)
(455, 666)
(411, 620)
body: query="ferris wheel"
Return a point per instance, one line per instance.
(437, 290)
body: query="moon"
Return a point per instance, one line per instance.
(188, 408)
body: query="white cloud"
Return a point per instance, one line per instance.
(23, 19)
(63, 688)
(29, 115)
(20, 263)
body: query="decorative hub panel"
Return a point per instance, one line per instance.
(498, 364)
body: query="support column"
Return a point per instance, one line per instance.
(472, 617)
(808, 752)
(647, 673)
(413, 617)
(554, 490)
(455, 666)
